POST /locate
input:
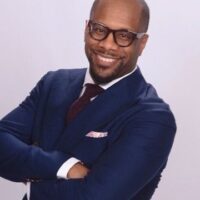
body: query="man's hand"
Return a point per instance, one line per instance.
(77, 171)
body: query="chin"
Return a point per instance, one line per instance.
(101, 78)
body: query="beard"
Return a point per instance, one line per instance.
(103, 79)
(102, 74)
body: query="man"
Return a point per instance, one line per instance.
(113, 148)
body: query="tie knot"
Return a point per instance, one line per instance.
(92, 90)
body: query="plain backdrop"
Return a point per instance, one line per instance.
(41, 35)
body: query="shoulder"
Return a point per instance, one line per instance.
(65, 73)
(155, 108)
(62, 76)
(58, 79)
(148, 106)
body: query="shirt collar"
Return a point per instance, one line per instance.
(88, 79)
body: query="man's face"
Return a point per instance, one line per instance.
(108, 60)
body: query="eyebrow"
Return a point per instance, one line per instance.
(119, 29)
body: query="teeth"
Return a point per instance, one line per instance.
(109, 60)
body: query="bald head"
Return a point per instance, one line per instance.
(139, 5)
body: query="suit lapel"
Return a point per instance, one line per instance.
(65, 89)
(101, 110)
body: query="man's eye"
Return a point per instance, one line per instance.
(99, 30)
(123, 36)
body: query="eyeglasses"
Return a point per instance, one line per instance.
(122, 37)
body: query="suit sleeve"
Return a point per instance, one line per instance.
(126, 167)
(19, 158)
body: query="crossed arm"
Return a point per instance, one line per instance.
(126, 167)
(120, 172)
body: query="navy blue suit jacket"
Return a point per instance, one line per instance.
(35, 141)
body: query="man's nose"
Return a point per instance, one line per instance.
(109, 42)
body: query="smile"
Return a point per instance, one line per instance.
(105, 60)
(109, 60)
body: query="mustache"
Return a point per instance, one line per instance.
(108, 53)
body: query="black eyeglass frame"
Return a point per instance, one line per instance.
(135, 35)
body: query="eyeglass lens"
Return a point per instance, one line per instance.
(121, 37)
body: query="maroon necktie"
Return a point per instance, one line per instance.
(91, 91)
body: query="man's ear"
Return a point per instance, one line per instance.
(142, 43)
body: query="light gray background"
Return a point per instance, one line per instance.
(41, 35)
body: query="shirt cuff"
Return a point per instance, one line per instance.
(66, 166)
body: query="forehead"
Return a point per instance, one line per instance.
(118, 14)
